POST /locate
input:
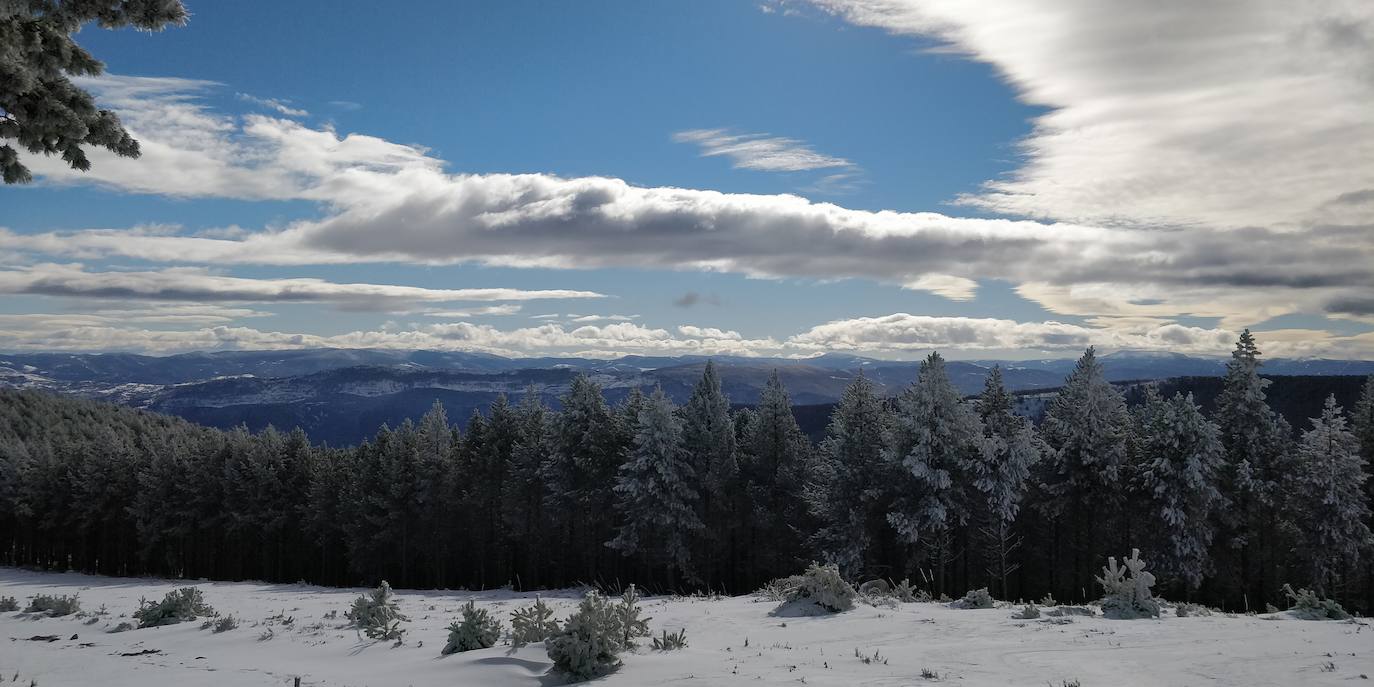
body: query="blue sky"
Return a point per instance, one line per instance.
(372, 152)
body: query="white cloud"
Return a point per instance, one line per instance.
(601, 318)
(760, 152)
(274, 104)
(199, 285)
(384, 202)
(1228, 113)
(951, 287)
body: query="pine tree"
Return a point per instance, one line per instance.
(40, 107)
(777, 465)
(1258, 454)
(522, 493)
(656, 491)
(1087, 428)
(436, 445)
(708, 434)
(580, 474)
(850, 495)
(1327, 493)
(1002, 467)
(1180, 463)
(934, 444)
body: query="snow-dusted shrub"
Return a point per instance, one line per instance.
(1127, 589)
(377, 614)
(1030, 612)
(780, 589)
(671, 642)
(906, 592)
(533, 623)
(590, 640)
(122, 627)
(1066, 611)
(627, 613)
(477, 630)
(875, 588)
(1308, 606)
(975, 598)
(8, 603)
(179, 605)
(820, 584)
(1187, 610)
(54, 606)
(225, 623)
(1049, 601)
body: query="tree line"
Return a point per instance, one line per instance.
(952, 493)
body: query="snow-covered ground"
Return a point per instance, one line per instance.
(733, 641)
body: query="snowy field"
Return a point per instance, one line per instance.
(732, 641)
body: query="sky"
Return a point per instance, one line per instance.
(718, 177)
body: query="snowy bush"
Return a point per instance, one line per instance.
(627, 614)
(477, 630)
(54, 606)
(533, 623)
(1127, 589)
(1308, 606)
(590, 640)
(179, 605)
(906, 592)
(376, 613)
(1187, 610)
(820, 584)
(671, 642)
(1066, 611)
(976, 598)
(225, 623)
(8, 603)
(1030, 612)
(875, 588)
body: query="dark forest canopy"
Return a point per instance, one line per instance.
(1223, 496)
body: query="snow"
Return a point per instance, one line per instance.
(731, 641)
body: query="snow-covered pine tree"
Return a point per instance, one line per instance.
(849, 493)
(522, 494)
(1086, 427)
(1001, 470)
(656, 491)
(434, 460)
(708, 434)
(777, 465)
(1363, 426)
(1179, 466)
(580, 477)
(934, 446)
(1328, 499)
(44, 112)
(1259, 447)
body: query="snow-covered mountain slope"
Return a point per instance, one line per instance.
(732, 641)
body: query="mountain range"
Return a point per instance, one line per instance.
(341, 396)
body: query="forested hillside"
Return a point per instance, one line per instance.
(1225, 498)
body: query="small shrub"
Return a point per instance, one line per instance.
(1188, 610)
(671, 642)
(54, 606)
(1308, 606)
(377, 614)
(590, 641)
(821, 584)
(976, 598)
(123, 627)
(532, 624)
(1127, 589)
(8, 603)
(477, 630)
(179, 605)
(627, 613)
(225, 623)
(906, 592)
(1049, 601)
(1066, 611)
(1030, 612)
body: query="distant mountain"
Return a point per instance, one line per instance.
(342, 396)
